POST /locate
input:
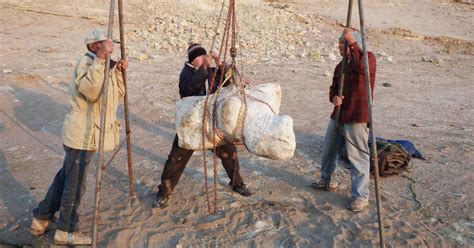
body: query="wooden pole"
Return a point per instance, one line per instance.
(339, 92)
(103, 110)
(125, 100)
(371, 125)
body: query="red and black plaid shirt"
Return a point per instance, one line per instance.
(354, 108)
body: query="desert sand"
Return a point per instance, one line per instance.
(423, 93)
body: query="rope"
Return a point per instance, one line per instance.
(415, 197)
(384, 147)
(217, 26)
(347, 139)
(243, 110)
(216, 135)
(116, 151)
(214, 143)
(203, 136)
(262, 101)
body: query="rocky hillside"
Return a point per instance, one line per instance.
(266, 32)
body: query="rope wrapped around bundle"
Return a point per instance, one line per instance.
(256, 123)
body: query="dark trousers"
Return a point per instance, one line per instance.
(179, 157)
(64, 194)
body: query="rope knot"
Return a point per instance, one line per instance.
(233, 52)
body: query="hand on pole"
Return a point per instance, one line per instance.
(337, 100)
(122, 65)
(216, 58)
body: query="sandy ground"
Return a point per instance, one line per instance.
(424, 51)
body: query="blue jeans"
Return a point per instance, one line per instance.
(357, 134)
(64, 194)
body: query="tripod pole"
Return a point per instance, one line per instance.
(103, 111)
(371, 126)
(125, 100)
(339, 93)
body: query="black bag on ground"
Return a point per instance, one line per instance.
(392, 158)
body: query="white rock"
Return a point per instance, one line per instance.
(327, 73)
(260, 225)
(332, 57)
(7, 71)
(316, 55)
(263, 131)
(302, 19)
(45, 50)
(143, 56)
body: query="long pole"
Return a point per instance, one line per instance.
(339, 92)
(103, 109)
(371, 125)
(125, 99)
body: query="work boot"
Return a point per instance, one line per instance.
(359, 204)
(321, 184)
(160, 202)
(39, 227)
(74, 238)
(242, 189)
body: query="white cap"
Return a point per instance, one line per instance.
(94, 36)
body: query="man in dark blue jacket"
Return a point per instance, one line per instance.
(192, 83)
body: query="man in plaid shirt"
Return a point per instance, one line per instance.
(353, 132)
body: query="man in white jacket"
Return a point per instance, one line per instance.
(80, 139)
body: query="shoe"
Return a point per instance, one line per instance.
(321, 184)
(160, 202)
(74, 238)
(242, 189)
(39, 227)
(359, 204)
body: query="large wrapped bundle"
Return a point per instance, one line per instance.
(253, 120)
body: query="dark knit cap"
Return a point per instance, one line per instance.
(194, 51)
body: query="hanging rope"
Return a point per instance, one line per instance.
(216, 136)
(217, 26)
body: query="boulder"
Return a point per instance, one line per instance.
(257, 124)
